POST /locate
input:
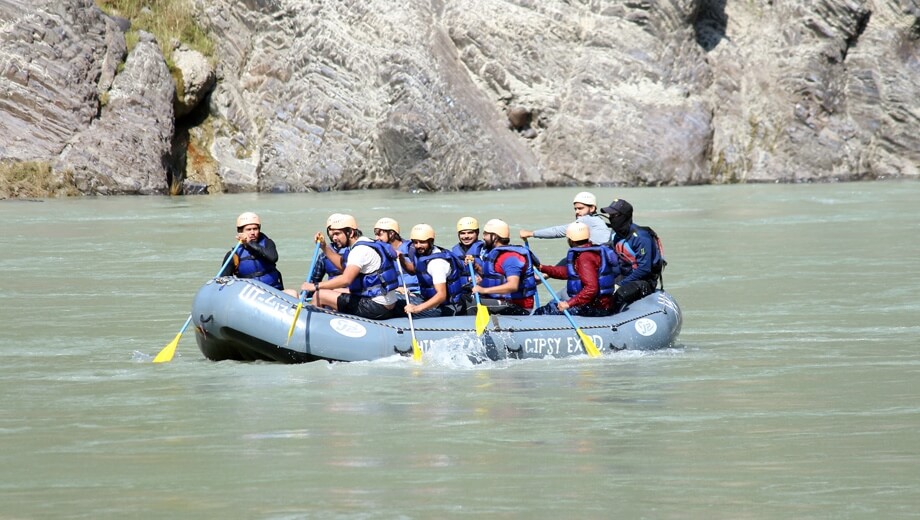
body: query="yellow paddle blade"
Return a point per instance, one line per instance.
(294, 322)
(416, 351)
(482, 318)
(586, 340)
(169, 350)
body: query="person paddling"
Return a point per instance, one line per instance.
(367, 285)
(257, 256)
(589, 270)
(439, 272)
(507, 270)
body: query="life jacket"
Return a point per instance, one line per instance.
(409, 279)
(454, 278)
(256, 268)
(606, 275)
(475, 250)
(627, 258)
(658, 266)
(330, 268)
(380, 282)
(527, 286)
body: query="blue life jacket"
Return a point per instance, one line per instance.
(454, 278)
(326, 267)
(378, 283)
(527, 285)
(475, 250)
(606, 275)
(410, 280)
(258, 268)
(631, 247)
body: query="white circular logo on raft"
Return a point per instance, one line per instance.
(646, 327)
(349, 328)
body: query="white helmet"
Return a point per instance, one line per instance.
(587, 198)
(498, 227)
(341, 221)
(248, 218)
(577, 231)
(467, 223)
(421, 232)
(388, 224)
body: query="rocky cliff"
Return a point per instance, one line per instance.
(466, 94)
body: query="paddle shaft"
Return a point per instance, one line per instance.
(590, 348)
(303, 294)
(416, 350)
(167, 352)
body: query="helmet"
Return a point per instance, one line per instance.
(333, 218)
(577, 231)
(341, 221)
(587, 198)
(499, 227)
(466, 223)
(248, 218)
(388, 224)
(422, 232)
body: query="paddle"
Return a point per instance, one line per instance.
(303, 294)
(536, 295)
(170, 349)
(416, 350)
(586, 340)
(482, 312)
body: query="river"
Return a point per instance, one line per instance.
(794, 392)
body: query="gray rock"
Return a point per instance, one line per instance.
(56, 59)
(127, 149)
(419, 94)
(198, 77)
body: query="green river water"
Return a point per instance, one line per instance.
(795, 392)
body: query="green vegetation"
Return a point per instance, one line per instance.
(165, 19)
(31, 179)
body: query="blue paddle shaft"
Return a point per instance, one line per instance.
(473, 281)
(303, 294)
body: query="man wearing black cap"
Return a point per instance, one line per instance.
(639, 254)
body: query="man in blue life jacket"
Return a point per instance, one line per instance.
(507, 270)
(638, 252)
(367, 285)
(256, 256)
(585, 205)
(590, 271)
(469, 245)
(439, 274)
(325, 267)
(386, 230)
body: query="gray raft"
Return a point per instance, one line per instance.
(246, 320)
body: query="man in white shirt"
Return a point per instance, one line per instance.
(367, 285)
(439, 272)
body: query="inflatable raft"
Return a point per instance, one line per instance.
(246, 320)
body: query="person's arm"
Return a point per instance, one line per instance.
(328, 250)
(267, 252)
(341, 281)
(510, 285)
(512, 265)
(559, 272)
(550, 232)
(439, 297)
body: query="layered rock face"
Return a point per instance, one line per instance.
(469, 94)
